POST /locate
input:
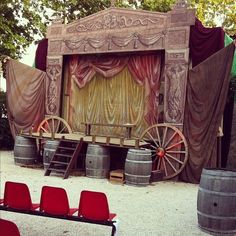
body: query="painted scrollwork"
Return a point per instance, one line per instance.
(175, 90)
(112, 21)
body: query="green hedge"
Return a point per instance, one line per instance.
(6, 139)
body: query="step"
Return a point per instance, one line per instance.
(63, 155)
(59, 162)
(56, 170)
(66, 148)
(68, 141)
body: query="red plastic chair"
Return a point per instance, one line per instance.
(1, 201)
(8, 228)
(54, 201)
(94, 206)
(17, 196)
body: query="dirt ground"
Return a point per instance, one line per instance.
(165, 208)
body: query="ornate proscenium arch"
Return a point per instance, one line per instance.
(125, 30)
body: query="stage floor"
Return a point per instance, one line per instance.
(96, 139)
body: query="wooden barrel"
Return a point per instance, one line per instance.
(25, 151)
(48, 152)
(216, 202)
(138, 167)
(97, 161)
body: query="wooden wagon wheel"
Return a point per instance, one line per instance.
(52, 124)
(169, 148)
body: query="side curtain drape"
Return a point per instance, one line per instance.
(145, 70)
(25, 96)
(41, 55)
(207, 90)
(204, 42)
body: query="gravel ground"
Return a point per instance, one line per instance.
(161, 209)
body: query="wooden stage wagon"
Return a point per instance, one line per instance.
(123, 33)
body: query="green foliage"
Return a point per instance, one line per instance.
(215, 12)
(20, 22)
(212, 13)
(6, 140)
(160, 5)
(73, 9)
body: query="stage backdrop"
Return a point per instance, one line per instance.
(112, 89)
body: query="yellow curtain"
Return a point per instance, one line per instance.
(116, 100)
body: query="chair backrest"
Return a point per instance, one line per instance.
(54, 200)
(8, 228)
(93, 205)
(17, 195)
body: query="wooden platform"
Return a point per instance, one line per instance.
(105, 141)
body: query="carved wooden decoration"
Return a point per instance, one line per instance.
(53, 85)
(126, 30)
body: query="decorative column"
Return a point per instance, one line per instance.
(54, 68)
(53, 85)
(177, 62)
(176, 72)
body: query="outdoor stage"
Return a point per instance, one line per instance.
(96, 139)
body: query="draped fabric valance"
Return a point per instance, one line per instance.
(145, 70)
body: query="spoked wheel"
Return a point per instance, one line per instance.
(52, 125)
(169, 148)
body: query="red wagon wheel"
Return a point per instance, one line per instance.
(53, 124)
(169, 148)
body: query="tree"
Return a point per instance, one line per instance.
(211, 13)
(6, 139)
(160, 6)
(20, 22)
(73, 9)
(217, 12)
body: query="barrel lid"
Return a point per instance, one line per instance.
(219, 172)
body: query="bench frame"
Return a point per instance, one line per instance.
(128, 127)
(70, 218)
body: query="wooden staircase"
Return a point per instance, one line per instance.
(65, 157)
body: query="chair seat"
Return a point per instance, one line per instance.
(17, 196)
(54, 201)
(35, 206)
(8, 228)
(94, 206)
(72, 211)
(112, 216)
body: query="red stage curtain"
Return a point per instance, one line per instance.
(83, 68)
(204, 42)
(146, 70)
(41, 55)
